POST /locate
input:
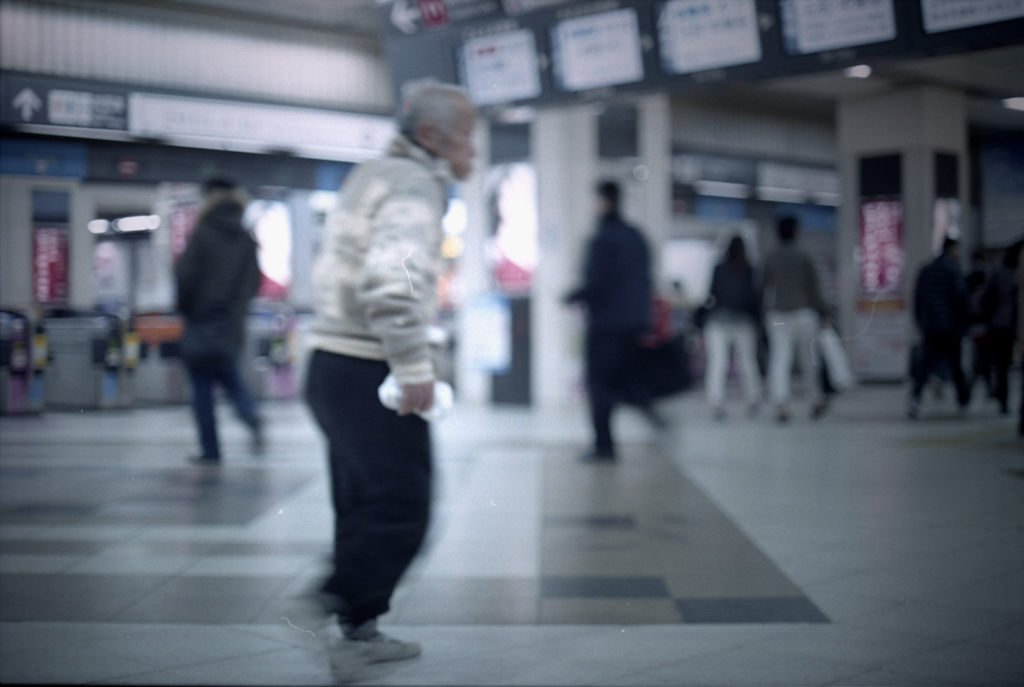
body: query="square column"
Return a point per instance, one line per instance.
(903, 164)
(563, 146)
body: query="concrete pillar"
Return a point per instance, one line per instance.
(474, 386)
(563, 145)
(654, 125)
(916, 123)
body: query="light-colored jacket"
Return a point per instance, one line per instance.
(375, 278)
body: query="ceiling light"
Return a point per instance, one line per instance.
(1014, 103)
(861, 71)
(98, 226)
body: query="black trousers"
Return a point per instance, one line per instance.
(615, 374)
(939, 347)
(1002, 357)
(380, 468)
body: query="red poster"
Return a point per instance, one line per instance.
(183, 221)
(881, 247)
(433, 12)
(50, 264)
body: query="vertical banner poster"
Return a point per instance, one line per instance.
(50, 264)
(183, 221)
(880, 346)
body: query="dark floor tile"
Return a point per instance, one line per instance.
(566, 587)
(47, 546)
(750, 610)
(74, 598)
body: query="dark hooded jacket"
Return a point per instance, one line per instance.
(941, 300)
(217, 278)
(617, 282)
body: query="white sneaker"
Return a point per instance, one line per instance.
(380, 647)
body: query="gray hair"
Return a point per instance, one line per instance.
(434, 103)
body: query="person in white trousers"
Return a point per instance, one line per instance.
(794, 311)
(732, 326)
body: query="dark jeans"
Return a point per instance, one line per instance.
(380, 465)
(939, 347)
(615, 374)
(205, 374)
(1002, 356)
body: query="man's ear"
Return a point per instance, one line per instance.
(428, 136)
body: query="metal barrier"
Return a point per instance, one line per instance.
(23, 357)
(87, 366)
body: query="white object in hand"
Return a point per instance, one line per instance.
(390, 395)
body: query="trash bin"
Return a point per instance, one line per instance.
(160, 375)
(86, 361)
(20, 371)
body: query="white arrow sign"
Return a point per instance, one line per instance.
(28, 102)
(404, 14)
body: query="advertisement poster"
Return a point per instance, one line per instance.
(50, 264)
(880, 347)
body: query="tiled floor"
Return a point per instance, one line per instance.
(860, 549)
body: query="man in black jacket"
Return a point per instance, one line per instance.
(617, 293)
(941, 309)
(217, 277)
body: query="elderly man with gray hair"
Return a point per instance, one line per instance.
(374, 284)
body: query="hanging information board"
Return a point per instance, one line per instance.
(597, 50)
(810, 26)
(949, 15)
(501, 67)
(694, 35)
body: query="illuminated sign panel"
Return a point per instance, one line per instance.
(597, 50)
(949, 15)
(810, 26)
(501, 68)
(695, 35)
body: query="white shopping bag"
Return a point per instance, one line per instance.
(837, 364)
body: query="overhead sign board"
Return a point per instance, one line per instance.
(502, 67)
(810, 26)
(695, 35)
(583, 48)
(950, 15)
(597, 50)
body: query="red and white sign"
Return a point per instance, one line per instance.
(434, 13)
(881, 247)
(50, 264)
(183, 221)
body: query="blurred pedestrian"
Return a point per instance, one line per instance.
(375, 282)
(977, 328)
(794, 311)
(941, 311)
(616, 291)
(217, 277)
(1020, 338)
(735, 310)
(999, 308)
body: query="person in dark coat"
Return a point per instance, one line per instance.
(734, 311)
(941, 310)
(217, 278)
(999, 308)
(616, 291)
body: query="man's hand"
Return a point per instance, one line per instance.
(416, 398)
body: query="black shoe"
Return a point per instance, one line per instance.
(204, 460)
(598, 457)
(819, 409)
